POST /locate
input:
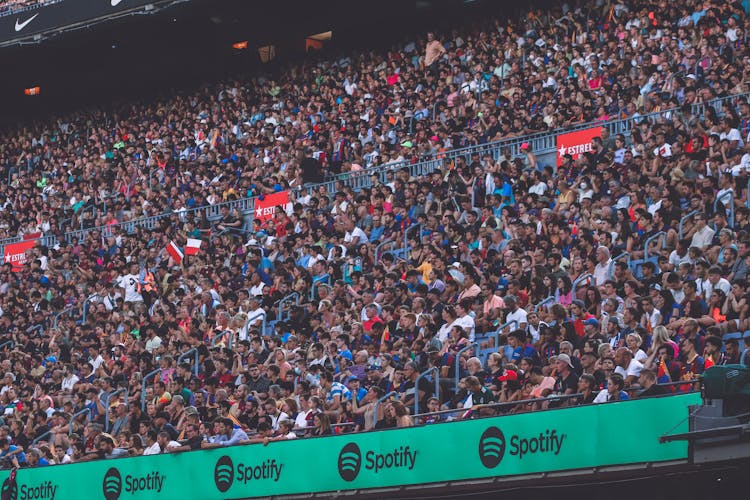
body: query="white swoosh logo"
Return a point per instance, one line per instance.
(115, 3)
(20, 26)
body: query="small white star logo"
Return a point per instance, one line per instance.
(258, 212)
(562, 150)
(7, 257)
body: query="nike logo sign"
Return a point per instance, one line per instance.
(115, 3)
(20, 26)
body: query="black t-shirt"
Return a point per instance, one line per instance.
(569, 382)
(311, 170)
(424, 385)
(194, 442)
(260, 386)
(654, 390)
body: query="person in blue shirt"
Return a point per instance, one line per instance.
(36, 458)
(10, 453)
(614, 391)
(356, 388)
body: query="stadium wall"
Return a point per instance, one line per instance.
(506, 446)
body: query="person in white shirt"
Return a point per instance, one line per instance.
(130, 283)
(354, 235)
(703, 233)
(603, 267)
(96, 359)
(634, 341)
(152, 447)
(663, 148)
(716, 282)
(69, 380)
(731, 134)
(464, 320)
(614, 390)
(305, 410)
(515, 313)
(627, 366)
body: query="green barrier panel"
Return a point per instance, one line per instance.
(562, 439)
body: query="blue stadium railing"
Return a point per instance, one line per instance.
(541, 143)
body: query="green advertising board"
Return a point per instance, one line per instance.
(574, 438)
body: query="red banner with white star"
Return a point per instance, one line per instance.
(576, 143)
(15, 253)
(265, 206)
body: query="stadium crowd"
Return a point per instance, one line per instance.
(8, 7)
(364, 326)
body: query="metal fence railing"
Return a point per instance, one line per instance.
(541, 142)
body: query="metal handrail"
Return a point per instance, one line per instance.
(185, 354)
(416, 385)
(379, 253)
(377, 403)
(579, 280)
(77, 414)
(39, 438)
(148, 376)
(284, 300)
(546, 301)
(730, 194)
(660, 234)
(35, 328)
(494, 335)
(458, 358)
(247, 327)
(326, 280)
(344, 424)
(623, 255)
(408, 230)
(85, 306)
(107, 407)
(541, 142)
(686, 218)
(54, 320)
(228, 334)
(83, 211)
(504, 404)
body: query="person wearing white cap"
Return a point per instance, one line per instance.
(567, 380)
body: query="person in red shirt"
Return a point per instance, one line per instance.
(371, 311)
(579, 316)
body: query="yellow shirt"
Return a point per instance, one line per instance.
(425, 268)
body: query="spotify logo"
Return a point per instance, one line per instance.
(112, 484)
(9, 490)
(491, 447)
(224, 474)
(350, 461)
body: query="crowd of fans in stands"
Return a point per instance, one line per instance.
(8, 7)
(369, 327)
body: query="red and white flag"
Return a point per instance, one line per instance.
(175, 252)
(192, 247)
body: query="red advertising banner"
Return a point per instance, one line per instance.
(265, 207)
(15, 254)
(576, 143)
